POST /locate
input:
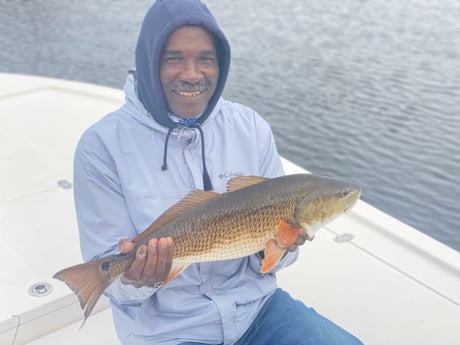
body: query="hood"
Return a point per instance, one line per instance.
(162, 19)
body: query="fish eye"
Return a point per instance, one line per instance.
(344, 193)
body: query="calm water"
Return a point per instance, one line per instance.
(364, 90)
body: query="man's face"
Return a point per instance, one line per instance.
(189, 70)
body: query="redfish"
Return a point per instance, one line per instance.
(255, 214)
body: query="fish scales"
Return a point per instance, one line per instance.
(252, 216)
(234, 225)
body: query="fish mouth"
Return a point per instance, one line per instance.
(310, 229)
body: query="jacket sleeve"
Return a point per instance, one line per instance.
(102, 214)
(270, 165)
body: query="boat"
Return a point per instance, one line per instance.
(377, 277)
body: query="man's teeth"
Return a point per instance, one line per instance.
(188, 94)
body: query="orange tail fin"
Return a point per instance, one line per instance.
(87, 281)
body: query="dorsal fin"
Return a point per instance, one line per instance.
(191, 200)
(240, 182)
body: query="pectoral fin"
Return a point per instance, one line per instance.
(274, 250)
(287, 234)
(273, 254)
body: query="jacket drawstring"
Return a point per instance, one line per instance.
(207, 185)
(165, 150)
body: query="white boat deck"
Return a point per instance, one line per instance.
(377, 277)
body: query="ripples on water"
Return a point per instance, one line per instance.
(364, 90)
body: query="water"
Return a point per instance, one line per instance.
(364, 90)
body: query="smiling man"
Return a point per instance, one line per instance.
(189, 70)
(175, 133)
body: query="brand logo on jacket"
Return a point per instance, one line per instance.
(230, 174)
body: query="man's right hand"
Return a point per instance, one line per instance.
(152, 262)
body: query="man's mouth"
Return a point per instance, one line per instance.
(189, 93)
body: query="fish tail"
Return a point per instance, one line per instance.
(88, 281)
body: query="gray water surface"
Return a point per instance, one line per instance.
(364, 90)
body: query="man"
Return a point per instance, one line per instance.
(174, 134)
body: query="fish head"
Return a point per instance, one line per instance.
(322, 200)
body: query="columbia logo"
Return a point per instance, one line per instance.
(230, 174)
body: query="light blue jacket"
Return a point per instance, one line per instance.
(119, 191)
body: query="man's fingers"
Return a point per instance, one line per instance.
(125, 246)
(134, 273)
(159, 261)
(302, 237)
(165, 253)
(150, 267)
(152, 263)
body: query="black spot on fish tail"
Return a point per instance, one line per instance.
(105, 265)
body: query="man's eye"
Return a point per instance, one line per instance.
(172, 59)
(207, 59)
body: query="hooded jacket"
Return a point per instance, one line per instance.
(120, 189)
(161, 20)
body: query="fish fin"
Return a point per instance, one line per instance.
(87, 281)
(191, 200)
(287, 234)
(272, 255)
(175, 271)
(240, 182)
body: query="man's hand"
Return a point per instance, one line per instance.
(301, 239)
(151, 264)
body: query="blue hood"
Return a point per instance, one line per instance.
(162, 19)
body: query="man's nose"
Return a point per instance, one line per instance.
(191, 72)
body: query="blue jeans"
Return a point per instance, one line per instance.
(285, 321)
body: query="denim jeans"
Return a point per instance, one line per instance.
(285, 321)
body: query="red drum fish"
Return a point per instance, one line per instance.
(255, 214)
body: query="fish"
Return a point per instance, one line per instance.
(255, 214)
